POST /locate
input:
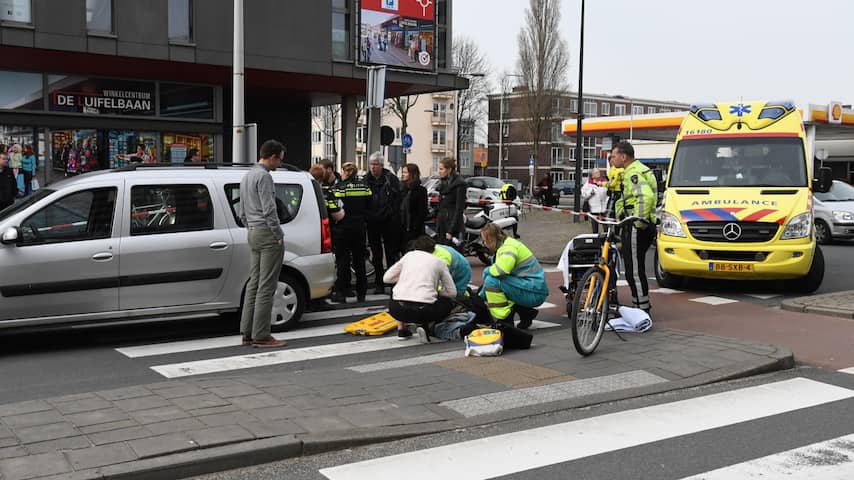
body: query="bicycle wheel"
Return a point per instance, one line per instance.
(588, 318)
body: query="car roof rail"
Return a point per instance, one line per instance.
(132, 167)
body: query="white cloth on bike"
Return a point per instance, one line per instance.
(632, 320)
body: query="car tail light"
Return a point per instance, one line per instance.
(325, 236)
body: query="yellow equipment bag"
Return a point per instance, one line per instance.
(376, 324)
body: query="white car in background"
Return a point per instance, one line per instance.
(834, 213)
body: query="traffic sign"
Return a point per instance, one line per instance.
(406, 140)
(483, 162)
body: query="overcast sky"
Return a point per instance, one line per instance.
(687, 50)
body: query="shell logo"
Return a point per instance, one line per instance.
(836, 112)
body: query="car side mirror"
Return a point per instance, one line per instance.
(11, 236)
(824, 181)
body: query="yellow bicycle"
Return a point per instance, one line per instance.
(595, 297)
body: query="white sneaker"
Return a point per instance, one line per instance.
(422, 335)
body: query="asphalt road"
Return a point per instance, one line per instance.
(605, 441)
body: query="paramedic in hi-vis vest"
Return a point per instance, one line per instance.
(639, 193)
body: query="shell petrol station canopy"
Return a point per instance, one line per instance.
(831, 122)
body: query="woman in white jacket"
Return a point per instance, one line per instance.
(595, 193)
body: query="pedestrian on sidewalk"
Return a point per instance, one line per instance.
(383, 217)
(423, 290)
(413, 204)
(639, 194)
(349, 234)
(266, 246)
(450, 220)
(515, 282)
(28, 168)
(595, 194)
(8, 183)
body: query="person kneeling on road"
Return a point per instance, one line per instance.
(515, 282)
(457, 265)
(423, 291)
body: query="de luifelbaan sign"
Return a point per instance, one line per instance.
(104, 97)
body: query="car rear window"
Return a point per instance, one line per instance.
(288, 201)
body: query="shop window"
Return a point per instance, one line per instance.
(177, 147)
(181, 21)
(84, 215)
(100, 96)
(288, 200)
(78, 151)
(156, 209)
(17, 11)
(99, 16)
(128, 146)
(21, 91)
(186, 101)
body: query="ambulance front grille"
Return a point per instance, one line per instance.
(751, 232)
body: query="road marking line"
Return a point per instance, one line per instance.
(551, 269)
(849, 370)
(546, 305)
(830, 459)
(221, 342)
(539, 447)
(346, 312)
(763, 296)
(666, 291)
(622, 283)
(373, 297)
(277, 357)
(713, 300)
(407, 362)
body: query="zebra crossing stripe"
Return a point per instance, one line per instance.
(540, 447)
(831, 459)
(221, 342)
(262, 358)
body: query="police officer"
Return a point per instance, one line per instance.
(639, 192)
(350, 234)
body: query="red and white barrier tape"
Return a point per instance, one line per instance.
(541, 207)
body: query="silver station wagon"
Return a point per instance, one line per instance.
(152, 243)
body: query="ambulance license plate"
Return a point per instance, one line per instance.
(730, 267)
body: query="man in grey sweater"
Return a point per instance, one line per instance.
(266, 246)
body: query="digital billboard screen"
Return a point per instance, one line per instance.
(398, 33)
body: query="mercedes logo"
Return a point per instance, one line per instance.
(732, 232)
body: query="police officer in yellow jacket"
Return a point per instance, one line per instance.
(639, 193)
(515, 282)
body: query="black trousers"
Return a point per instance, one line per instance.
(349, 246)
(420, 313)
(384, 239)
(635, 243)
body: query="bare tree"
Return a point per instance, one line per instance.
(400, 107)
(542, 64)
(471, 102)
(327, 119)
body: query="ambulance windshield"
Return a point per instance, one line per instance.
(739, 162)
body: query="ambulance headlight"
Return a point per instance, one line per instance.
(843, 216)
(670, 225)
(798, 227)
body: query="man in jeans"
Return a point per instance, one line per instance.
(266, 246)
(384, 227)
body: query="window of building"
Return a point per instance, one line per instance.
(440, 112)
(619, 109)
(288, 200)
(21, 91)
(186, 101)
(397, 133)
(589, 153)
(556, 106)
(19, 11)
(465, 161)
(557, 155)
(556, 132)
(465, 145)
(99, 16)
(439, 137)
(360, 134)
(573, 106)
(590, 109)
(181, 21)
(606, 108)
(315, 136)
(650, 109)
(505, 130)
(341, 30)
(571, 153)
(177, 146)
(637, 110)
(83, 215)
(435, 168)
(506, 154)
(664, 110)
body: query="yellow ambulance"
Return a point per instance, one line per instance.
(738, 199)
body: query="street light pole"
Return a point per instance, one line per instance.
(238, 135)
(579, 139)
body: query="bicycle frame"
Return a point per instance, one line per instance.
(604, 262)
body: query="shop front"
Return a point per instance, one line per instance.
(77, 124)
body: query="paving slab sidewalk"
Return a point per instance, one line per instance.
(837, 304)
(192, 426)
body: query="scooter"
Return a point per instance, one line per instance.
(470, 245)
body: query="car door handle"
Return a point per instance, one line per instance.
(218, 245)
(102, 257)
